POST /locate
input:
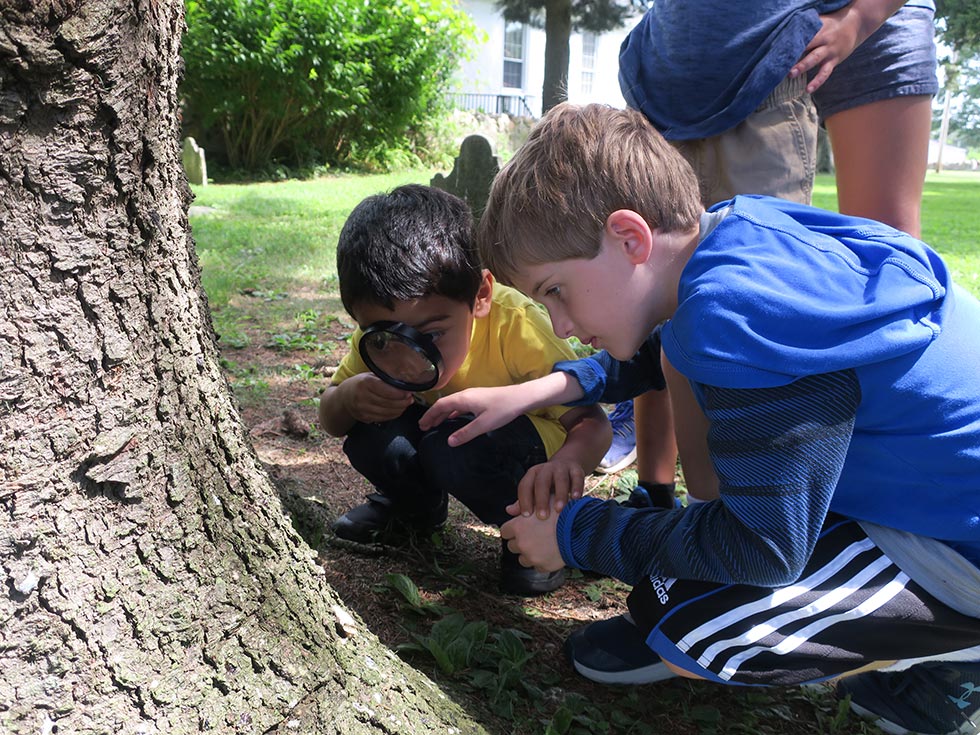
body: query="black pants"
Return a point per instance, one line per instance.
(418, 470)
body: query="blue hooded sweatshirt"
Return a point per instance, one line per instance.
(779, 291)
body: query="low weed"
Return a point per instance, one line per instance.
(307, 335)
(491, 662)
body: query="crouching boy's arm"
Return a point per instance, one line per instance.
(588, 435)
(363, 398)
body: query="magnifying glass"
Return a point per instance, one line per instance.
(401, 355)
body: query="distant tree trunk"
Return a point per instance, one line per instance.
(558, 31)
(943, 131)
(153, 583)
(825, 152)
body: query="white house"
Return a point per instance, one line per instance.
(507, 71)
(952, 155)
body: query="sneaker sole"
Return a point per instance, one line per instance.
(518, 590)
(620, 465)
(646, 675)
(892, 728)
(878, 721)
(396, 536)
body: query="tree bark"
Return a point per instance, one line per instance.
(558, 32)
(152, 581)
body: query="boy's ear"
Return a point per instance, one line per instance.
(629, 230)
(484, 297)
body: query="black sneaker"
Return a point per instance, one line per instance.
(376, 522)
(516, 579)
(652, 495)
(614, 651)
(940, 698)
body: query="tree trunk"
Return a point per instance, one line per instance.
(558, 31)
(153, 582)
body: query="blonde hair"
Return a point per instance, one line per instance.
(579, 165)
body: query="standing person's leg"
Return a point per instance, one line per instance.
(880, 154)
(878, 113)
(656, 457)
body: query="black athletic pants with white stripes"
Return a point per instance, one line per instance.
(852, 606)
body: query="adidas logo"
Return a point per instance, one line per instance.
(661, 586)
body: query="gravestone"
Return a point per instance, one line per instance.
(472, 174)
(195, 164)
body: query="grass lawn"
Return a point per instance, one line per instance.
(950, 219)
(267, 253)
(275, 237)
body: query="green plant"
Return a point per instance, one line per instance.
(452, 642)
(307, 373)
(412, 598)
(306, 81)
(493, 663)
(296, 341)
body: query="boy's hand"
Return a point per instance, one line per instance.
(548, 485)
(492, 408)
(535, 541)
(371, 401)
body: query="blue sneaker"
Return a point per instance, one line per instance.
(614, 651)
(622, 451)
(941, 698)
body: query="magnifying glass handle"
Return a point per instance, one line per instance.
(419, 400)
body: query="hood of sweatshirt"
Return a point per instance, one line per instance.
(779, 290)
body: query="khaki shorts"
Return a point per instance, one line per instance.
(773, 151)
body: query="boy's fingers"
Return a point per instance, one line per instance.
(561, 487)
(514, 508)
(812, 56)
(525, 494)
(542, 498)
(435, 415)
(822, 76)
(463, 435)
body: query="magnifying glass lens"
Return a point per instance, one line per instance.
(399, 360)
(401, 356)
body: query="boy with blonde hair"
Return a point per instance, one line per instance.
(832, 362)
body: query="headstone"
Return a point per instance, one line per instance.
(195, 165)
(472, 174)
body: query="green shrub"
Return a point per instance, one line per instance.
(305, 82)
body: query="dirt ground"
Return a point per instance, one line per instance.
(277, 389)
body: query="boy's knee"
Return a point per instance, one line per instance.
(371, 453)
(440, 459)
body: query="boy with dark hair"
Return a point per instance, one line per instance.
(408, 265)
(833, 363)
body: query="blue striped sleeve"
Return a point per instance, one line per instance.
(778, 453)
(607, 380)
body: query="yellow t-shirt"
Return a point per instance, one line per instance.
(514, 343)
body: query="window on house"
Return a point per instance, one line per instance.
(589, 43)
(514, 55)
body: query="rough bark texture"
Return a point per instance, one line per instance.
(152, 580)
(558, 31)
